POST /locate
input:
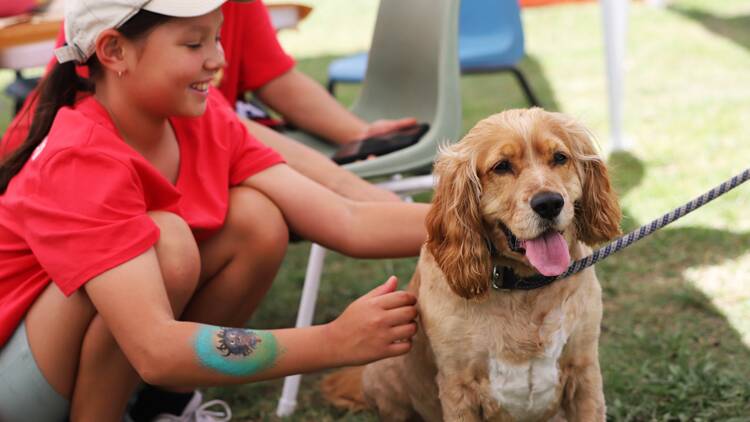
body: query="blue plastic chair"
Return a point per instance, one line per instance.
(490, 40)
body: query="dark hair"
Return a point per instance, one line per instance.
(59, 89)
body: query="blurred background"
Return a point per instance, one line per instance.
(676, 328)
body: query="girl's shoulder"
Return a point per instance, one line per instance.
(83, 130)
(81, 124)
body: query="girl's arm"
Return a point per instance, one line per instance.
(318, 167)
(305, 103)
(133, 302)
(361, 229)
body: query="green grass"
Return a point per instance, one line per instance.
(676, 326)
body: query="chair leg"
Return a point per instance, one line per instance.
(332, 87)
(409, 185)
(20, 89)
(288, 400)
(525, 86)
(20, 98)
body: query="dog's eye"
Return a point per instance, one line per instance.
(503, 167)
(560, 158)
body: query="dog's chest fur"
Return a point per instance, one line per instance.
(502, 348)
(529, 389)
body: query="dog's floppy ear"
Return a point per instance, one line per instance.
(454, 224)
(599, 217)
(597, 212)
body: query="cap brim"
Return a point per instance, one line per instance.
(185, 8)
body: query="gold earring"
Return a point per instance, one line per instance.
(119, 74)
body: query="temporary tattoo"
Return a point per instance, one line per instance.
(236, 341)
(235, 351)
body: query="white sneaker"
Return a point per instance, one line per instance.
(197, 411)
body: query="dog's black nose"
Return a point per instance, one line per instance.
(547, 204)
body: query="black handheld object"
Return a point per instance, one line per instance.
(380, 144)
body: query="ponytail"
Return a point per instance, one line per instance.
(57, 90)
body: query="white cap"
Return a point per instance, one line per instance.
(86, 19)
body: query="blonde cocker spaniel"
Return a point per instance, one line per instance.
(521, 196)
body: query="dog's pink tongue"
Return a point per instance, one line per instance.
(548, 253)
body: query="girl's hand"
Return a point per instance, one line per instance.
(378, 325)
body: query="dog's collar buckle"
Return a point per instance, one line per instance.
(497, 278)
(505, 279)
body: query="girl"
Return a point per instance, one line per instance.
(139, 220)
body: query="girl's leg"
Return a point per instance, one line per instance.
(103, 367)
(238, 266)
(75, 351)
(44, 354)
(56, 326)
(240, 262)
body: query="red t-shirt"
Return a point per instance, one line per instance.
(78, 207)
(16, 7)
(253, 53)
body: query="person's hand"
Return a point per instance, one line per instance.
(380, 127)
(378, 325)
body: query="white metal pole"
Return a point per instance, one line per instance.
(614, 25)
(288, 401)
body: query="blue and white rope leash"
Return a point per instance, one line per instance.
(500, 276)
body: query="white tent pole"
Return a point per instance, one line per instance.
(614, 25)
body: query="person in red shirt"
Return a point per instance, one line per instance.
(128, 242)
(16, 7)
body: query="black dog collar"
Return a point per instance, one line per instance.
(504, 278)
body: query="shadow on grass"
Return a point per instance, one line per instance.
(667, 353)
(626, 172)
(734, 28)
(665, 349)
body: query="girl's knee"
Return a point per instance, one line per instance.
(257, 221)
(179, 258)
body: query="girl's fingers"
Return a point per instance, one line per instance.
(396, 349)
(384, 289)
(404, 332)
(406, 121)
(399, 316)
(395, 300)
